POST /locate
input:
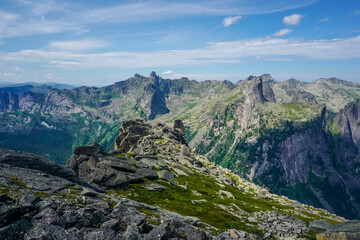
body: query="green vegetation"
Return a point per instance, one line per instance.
(207, 204)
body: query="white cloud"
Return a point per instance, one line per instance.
(31, 27)
(167, 72)
(293, 19)
(231, 20)
(12, 74)
(51, 76)
(9, 74)
(78, 45)
(213, 53)
(326, 19)
(357, 12)
(282, 32)
(201, 76)
(6, 16)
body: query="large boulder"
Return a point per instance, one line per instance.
(88, 150)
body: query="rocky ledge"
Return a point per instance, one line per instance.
(152, 186)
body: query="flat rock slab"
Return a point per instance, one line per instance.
(320, 226)
(156, 187)
(140, 156)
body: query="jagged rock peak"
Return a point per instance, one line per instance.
(268, 92)
(154, 76)
(257, 91)
(249, 78)
(267, 77)
(134, 136)
(254, 91)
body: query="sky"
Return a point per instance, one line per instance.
(98, 42)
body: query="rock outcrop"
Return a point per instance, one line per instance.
(138, 139)
(138, 194)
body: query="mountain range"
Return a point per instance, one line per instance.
(299, 139)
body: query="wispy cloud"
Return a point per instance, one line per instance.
(326, 19)
(214, 53)
(19, 70)
(202, 76)
(282, 32)
(51, 76)
(77, 45)
(231, 20)
(12, 25)
(293, 19)
(162, 9)
(49, 16)
(40, 8)
(12, 74)
(357, 12)
(167, 72)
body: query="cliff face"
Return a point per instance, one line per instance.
(347, 125)
(28, 101)
(296, 149)
(52, 102)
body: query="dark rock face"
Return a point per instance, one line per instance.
(154, 76)
(268, 93)
(156, 104)
(317, 158)
(254, 92)
(347, 123)
(29, 101)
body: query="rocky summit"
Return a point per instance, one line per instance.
(152, 186)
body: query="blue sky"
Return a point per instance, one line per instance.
(99, 42)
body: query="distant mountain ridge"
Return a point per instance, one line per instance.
(36, 84)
